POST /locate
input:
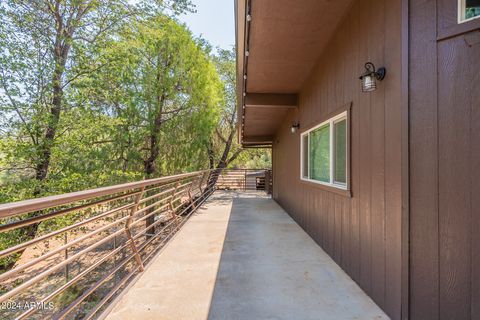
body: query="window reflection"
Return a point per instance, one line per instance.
(469, 9)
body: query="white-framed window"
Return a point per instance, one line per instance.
(324, 152)
(468, 10)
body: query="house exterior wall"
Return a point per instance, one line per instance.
(444, 102)
(361, 232)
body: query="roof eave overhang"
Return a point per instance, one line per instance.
(270, 101)
(284, 41)
(240, 23)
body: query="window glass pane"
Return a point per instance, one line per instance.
(305, 156)
(469, 9)
(340, 146)
(320, 154)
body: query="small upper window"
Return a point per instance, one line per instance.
(468, 10)
(324, 152)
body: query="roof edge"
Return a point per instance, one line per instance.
(240, 23)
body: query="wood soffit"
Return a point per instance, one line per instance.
(284, 41)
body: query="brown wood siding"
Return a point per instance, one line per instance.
(444, 163)
(361, 233)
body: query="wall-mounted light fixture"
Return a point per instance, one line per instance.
(370, 76)
(295, 127)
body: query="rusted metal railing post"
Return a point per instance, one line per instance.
(170, 205)
(213, 179)
(65, 238)
(129, 232)
(189, 192)
(201, 182)
(115, 259)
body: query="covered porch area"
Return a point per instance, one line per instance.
(241, 256)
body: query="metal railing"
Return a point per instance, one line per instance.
(245, 179)
(75, 252)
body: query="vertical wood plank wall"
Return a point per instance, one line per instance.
(361, 233)
(444, 163)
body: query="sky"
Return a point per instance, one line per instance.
(214, 21)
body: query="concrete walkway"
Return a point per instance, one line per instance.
(242, 257)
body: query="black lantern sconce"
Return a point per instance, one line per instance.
(295, 127)
(370, 76)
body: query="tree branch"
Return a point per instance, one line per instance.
(234, 156)
(219, 134)
(82, 73)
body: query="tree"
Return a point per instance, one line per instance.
(223, 147)
(166, 94)
(46, 46)
(254, 158)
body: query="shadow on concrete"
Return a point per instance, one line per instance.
(271, 269)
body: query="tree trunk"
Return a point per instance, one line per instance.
(211, 156)
(150, 164)
(224, 161)
(51, 129)
(150, 170)
(61, 51)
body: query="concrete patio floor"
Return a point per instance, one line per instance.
(242, 257)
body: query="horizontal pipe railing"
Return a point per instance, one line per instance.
(115, 230)
(14, 208)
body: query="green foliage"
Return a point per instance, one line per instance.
(253, 159)
(160, 84)
(69, 295)
(111, 85)
(9, 239)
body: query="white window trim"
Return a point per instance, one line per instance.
(461, 12)
(331, 122)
